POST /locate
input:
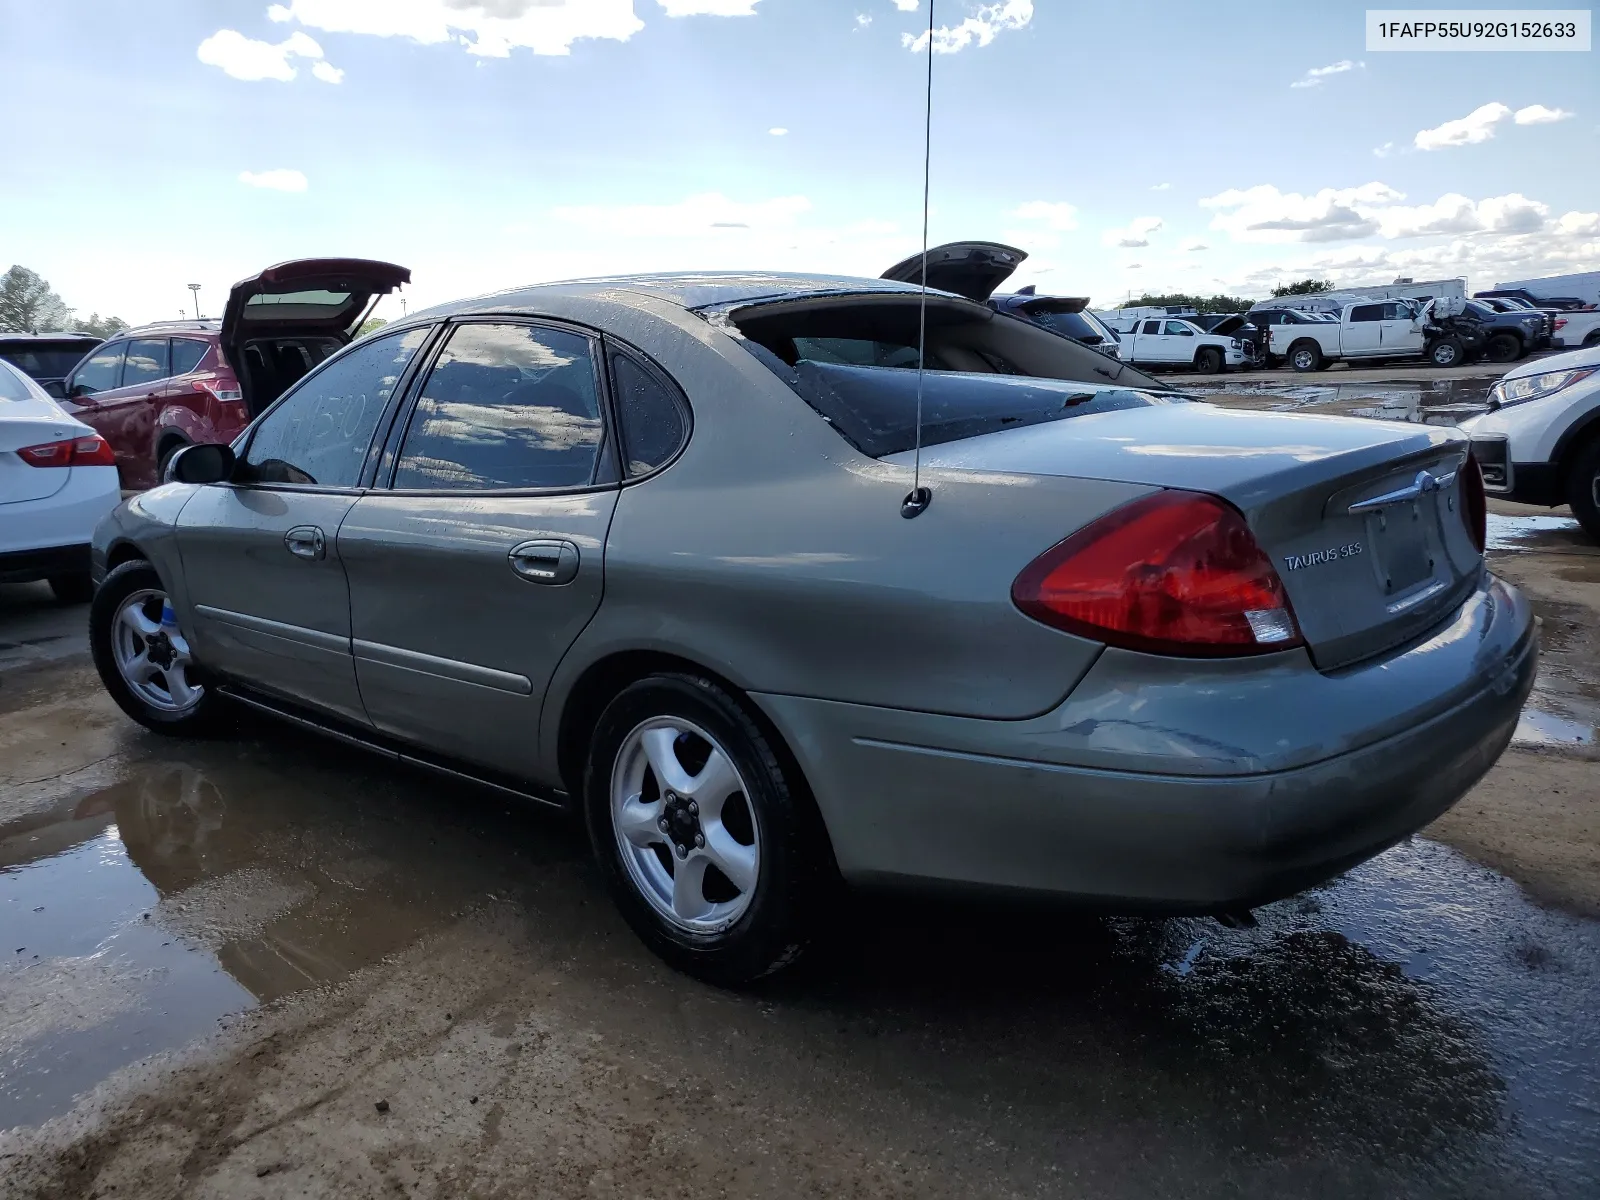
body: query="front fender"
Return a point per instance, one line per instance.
(146, 525)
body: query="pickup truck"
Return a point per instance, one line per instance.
(1380, 329)
(1167, 342)
(1576, 329)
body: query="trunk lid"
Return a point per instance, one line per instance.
(308, 297)
(970, 269)
(1362, 519)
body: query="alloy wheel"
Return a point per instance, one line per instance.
(152, 657)
(684, 825)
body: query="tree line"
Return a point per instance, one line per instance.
(1229, 304)
(28, 304)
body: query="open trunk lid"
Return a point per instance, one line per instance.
(1362, 519)
(308, 297)
(970, 269)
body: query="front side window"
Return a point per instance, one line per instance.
(505, 406)
(1178, 329)
(319, 434)
(652, 422)
(102, 372)
(147, 361)
(186, 354)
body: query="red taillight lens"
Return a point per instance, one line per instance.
(1173, 573)
(1474, 504)
(219, 389)
(92, 451)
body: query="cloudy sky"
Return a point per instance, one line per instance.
(484, 143)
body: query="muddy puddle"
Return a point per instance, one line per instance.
(1432, 402)
(1419, 1006)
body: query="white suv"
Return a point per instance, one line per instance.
(1540, 441)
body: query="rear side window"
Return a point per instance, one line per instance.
(11, 385)
(653, 422)
(1367, 312)
(505, 407)
(319, 433)
(102, 372)
(186, 354)
(1152, 328)
(147, 361)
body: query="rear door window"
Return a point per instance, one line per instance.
(1152, 328)
(147, 361)
(1366, 312)
(505, 407)
(186, 354)
(318, 435)
(102, 372)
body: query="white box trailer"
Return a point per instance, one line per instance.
(1452, 291)
(1585, 285)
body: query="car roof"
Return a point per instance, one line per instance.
(203, 325)
(693, 290)
(65, 336)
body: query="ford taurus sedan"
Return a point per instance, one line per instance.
(640, 547)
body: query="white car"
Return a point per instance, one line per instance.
(1540, 441)
(57, 479)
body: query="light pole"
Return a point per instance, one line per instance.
(195, 288)
(402, 306)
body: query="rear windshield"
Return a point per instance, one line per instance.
(45, 362)
(1073, 324)
(11, 387)
(875, 408)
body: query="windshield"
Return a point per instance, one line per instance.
(875, 408)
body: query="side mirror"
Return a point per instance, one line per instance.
(81, 393)
(55, 389)
(210, 463)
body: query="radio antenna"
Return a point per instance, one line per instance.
(916, 503)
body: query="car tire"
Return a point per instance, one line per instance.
(165, 457)
(1503, 348)
(146, 664)
(76, 588)
(1305, 357)
(1583, 488)
(728, 927)
(1592, 340)
(1208, 361)
(1447, 352)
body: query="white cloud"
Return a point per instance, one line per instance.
(1160, 187)
(250, 60)
(983, 26)
(1384, 151)
(907, 5)
(700, 8)
(1264, 214)
(1136, 234)
(778, 131)
(1193, 246)
(1538, 114)
(1316, 76)
(327, 72)
(1574, 224)
(693, 217)
(1455, 213)
(281, 180)
(491, 28)
(863, 20)
(1054, 216)
(1477, 126)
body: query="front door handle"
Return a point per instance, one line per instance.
(306, 541)
(548, 560)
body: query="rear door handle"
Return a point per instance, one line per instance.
(306, 541)
(548, 560)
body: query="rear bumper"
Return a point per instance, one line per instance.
(24, 566)
(1170, 796)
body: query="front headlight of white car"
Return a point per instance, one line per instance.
(1535, 387)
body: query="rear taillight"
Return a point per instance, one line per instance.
(92, 451)
(1561, 322)
(1474, 505)
(1174, 573)
(219, 389)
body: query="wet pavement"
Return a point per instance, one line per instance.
(1431, 401)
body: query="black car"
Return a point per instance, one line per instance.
(1561, 303)
(46, 358)
(1508, 336)
(1066, 315)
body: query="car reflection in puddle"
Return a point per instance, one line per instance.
(1418, 1010)
(1431, 402)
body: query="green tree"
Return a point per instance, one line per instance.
(28, 305)
(1303, 287)
(1206, 304)
(101, 327)
(369, 325)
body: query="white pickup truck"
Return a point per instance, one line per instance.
(1169, 342)
(1377, 329)
(1575, 330)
